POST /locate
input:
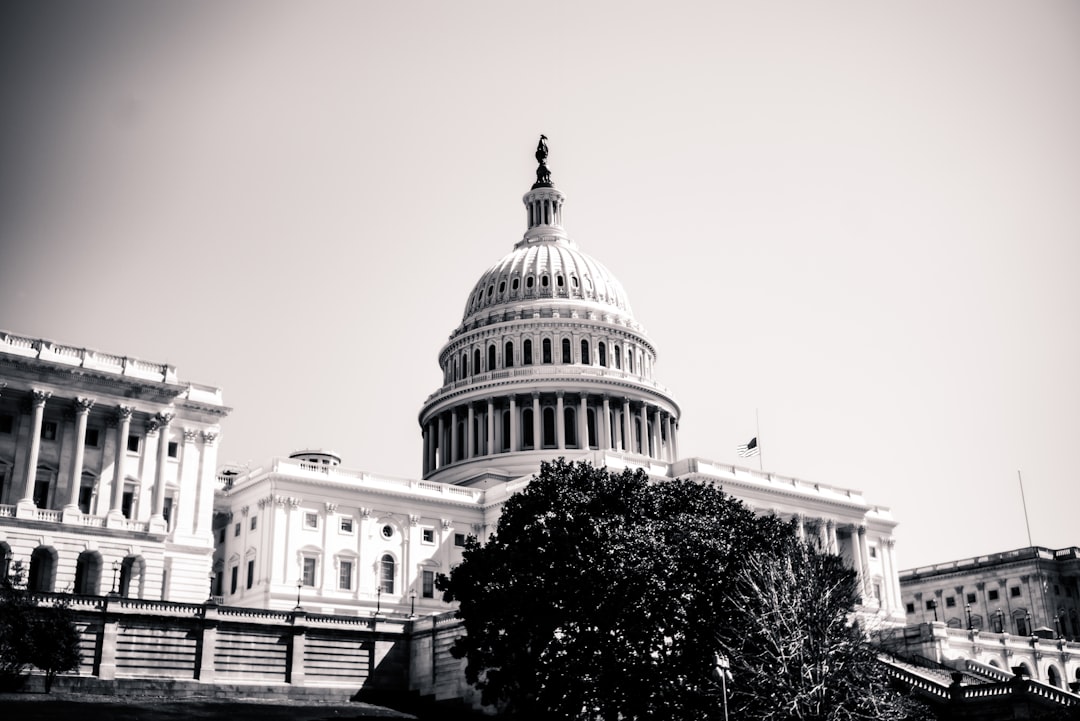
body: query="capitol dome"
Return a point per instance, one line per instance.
(548, 361)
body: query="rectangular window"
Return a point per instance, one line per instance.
(992, 594)
(345, 524)
(254, 522)
(428, 585)
(950, 602)
(971, 598)
(133, 444)
(873, 551)
(251, 573)
(427, 535)
(7, 423)
(48, 431)
(233, 575)
(311, 520)
(221, 535)
(308, 578)
(910, 608)
(345, 576)
(931, 605)
(92, 438)
(219, 583)
(86, 494)
(166, 510)
(127, 504)
(459, 539)
(1015, 592)
(236, 530)
(877, 592)
(174, 449)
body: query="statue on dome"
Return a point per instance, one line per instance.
(543, 175)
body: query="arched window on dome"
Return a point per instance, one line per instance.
(549, 427)
(491, 357)
(476, 361)
(590, 416)
(546, 344)
(526, 352)
(601, 350)
(514, 284)
(615, 353)
(527, 428)
(529, 283)
(544, 281)
(502, 287)
(570, 438)
(506, 430)
(567, 352)
(464, 365)
(508, 354)
(585, 360)
(559, 280)
(629, 360)
(387, 569)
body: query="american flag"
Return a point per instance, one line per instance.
(749, 449)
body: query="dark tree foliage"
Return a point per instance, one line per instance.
(597, 596)
(54, 642)
(45, 637)
(795, 651)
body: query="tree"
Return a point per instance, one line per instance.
(596, 595)
(794, 649)
(54, 642)
(45, 637)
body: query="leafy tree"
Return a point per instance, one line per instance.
(45, 637)
(54, 642)
(596, 595)
(795, 651)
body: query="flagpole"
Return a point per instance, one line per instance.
(757, 427)
(1024, 501)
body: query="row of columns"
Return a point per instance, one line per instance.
(828, 540)
(623, 355)
(617, 426)
(157, 425)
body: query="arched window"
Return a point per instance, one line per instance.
(508, 354)
(506, 430)
(526, 352)
(567, 353)
(386, 573)
(601, 350)
(491, 358)
(527, 428)
(549, 427)
(585, 360)
(1053, 676)
(131, 576)
(629, 360)
(476, 361)
(465, 365)
(591, 416)
(570, 438)
(618, 358)
(42, 573)
(88, 574)
(547, 350)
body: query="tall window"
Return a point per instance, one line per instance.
(476, 361)
(601, 350)
(569, 427)
(508, 355)
(527, 428)
(251, 573)
(491, 358)
(547, 350)
(428, 585)
(526, 352)
(585, 360)
(618, 358)
(549, 427)
(386, 573)
(234, 574)
(567, 353)
(308, 574)
(345, 576)
(465, 364)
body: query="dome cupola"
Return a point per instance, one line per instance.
(548, 361)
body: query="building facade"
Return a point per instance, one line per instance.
(548, 361)
(107, 472)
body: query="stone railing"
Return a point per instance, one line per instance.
(47, 350)
(993, 559)
(549, 370)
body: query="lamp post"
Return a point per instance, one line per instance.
(378, 599)
(115, 569)
(412, 603)
(1001, 620)
(722, 670)
(299, 585)
(210, 598)
(967, 610)
(932, 605)
(1030, 628)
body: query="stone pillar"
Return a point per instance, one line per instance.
(470, 431)
(514, 443)
(123, 416)
(643, 431)
(656, 450)
(886, 574)
(800, 526)
(560, 421)
(538, 421)
(82, 410)
(157, 519)
(626, 425)
(490, 427)
(583, 423)
(424, 443)
(861, 530)
(37, 409)
(834, 542)
(675, 441)
(454, 436)
(603, 426)
(669, 444)
(441, 439)
(188, 479)
(105, 666)
(856, 557)
(823, 535)
(296, 672)
(894, 575)
(207, 641)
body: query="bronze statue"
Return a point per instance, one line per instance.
(543, 175)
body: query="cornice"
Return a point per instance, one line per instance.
(725, 483)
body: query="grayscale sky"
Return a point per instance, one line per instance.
(860, 219)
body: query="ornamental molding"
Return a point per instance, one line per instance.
(447, 523)
(124, 413)
(331, 507)
(414, 519)
(209, 437)
(83, 404)
(244, 510)
(190, 435)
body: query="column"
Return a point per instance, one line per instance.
(560, 421)
(490, 427)
(643, 430)
(894, 575)
(886, 576)
(861, 529)
(823, 535)
(82, 410)
(675, 440)
(604, 438)
(453, 435)
(657, 452)
(470, 432)
(583, 423)
(163, 419)
(123, 428)
(538, 422)
(442, 442)
(800, 526)
(856, 557)
(513, 425)
(37, 410)
(834, 542)
(626, 425)
(669, 444)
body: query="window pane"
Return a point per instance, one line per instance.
(345, 576)
(309, 572)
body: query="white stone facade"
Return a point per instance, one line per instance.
(107, 472)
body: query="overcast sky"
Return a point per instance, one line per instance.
(861, 220)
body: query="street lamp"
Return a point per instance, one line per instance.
(723, 667)
(1001, 620)
(378, 600)
(1027, 619)
(967, 609)
(115, 569)
(299, 585)
(412, 603)
(932, 605)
